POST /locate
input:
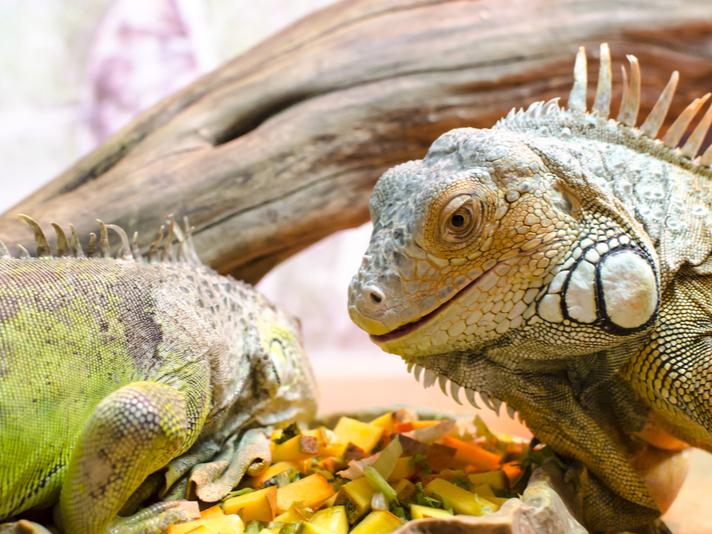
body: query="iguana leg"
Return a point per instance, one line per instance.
(613, 493)
(673, 371)
(133, 432)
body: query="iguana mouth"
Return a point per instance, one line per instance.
(405, 329)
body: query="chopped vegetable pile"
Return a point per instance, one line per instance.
(368, 478)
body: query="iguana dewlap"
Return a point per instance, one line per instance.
(559, 262)
(114, 369)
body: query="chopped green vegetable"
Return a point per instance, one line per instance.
(423, 500)
(462, 481)
(421, 462)
(388, 458)
(379, 483)
(399, 511)
(288, 433)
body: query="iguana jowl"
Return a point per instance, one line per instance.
(559, 262)
(114, 369)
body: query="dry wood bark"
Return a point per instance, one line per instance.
(281, 146)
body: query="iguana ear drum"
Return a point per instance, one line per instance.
(610, 284)
(629, 287)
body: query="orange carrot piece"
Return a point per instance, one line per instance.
(472, 454)
(512, 471)
(413, 425)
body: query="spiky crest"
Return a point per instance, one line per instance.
(628, 114)
(127, 252)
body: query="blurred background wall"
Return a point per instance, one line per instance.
(72, 72)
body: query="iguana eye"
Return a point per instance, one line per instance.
(281, 361)
(460, 218)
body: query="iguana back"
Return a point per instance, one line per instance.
(75, 331)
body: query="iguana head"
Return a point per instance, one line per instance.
(509, 243)
(284, 370)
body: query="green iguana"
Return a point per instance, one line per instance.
(112, 370)
(559, 262)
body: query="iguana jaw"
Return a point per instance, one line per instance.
(410, 327)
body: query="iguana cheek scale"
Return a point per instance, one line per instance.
(114, 369)
(558, 262)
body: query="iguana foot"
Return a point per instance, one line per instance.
(23, 526)
(131, 433)
(656, 528)
(156, 518)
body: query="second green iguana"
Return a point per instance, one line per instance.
(120, 376)
(560, 262)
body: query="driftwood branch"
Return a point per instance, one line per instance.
(281, 146)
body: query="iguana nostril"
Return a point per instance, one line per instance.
(375, 298)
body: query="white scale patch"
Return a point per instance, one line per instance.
(629, 289)
(580, 296)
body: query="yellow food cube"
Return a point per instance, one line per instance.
(483, 490)
(212, 511)
(377, 522)
(325, 448)
(260, 505)
(308, 528)
(402, 469)
(462, 501)
(497, 502)
(202, 529)
(385, 421)
(355, 497)
(296, 449)
(362, 435)
(332, 519)
(420, 512)
(272, 471)
(293, 515)
(311, 491)
(226, 524)
(497, 479)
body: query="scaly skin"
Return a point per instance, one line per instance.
(557, 262)
(111, 369)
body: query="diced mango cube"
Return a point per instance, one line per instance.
(202, 529)
(483, 490)
(421, 512)
(385, 421)
(226, 524)
(212, 511)
(355, 497)
(403, 469)
(325, 448)
(497, 501)
(377, 522)
(309, 528)
(311, 491)
(360, 434)
(293, 515)
(271, 472)
(332, 519)
(296, 449)
(260, 505)
(497, 479)
(462, 501)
